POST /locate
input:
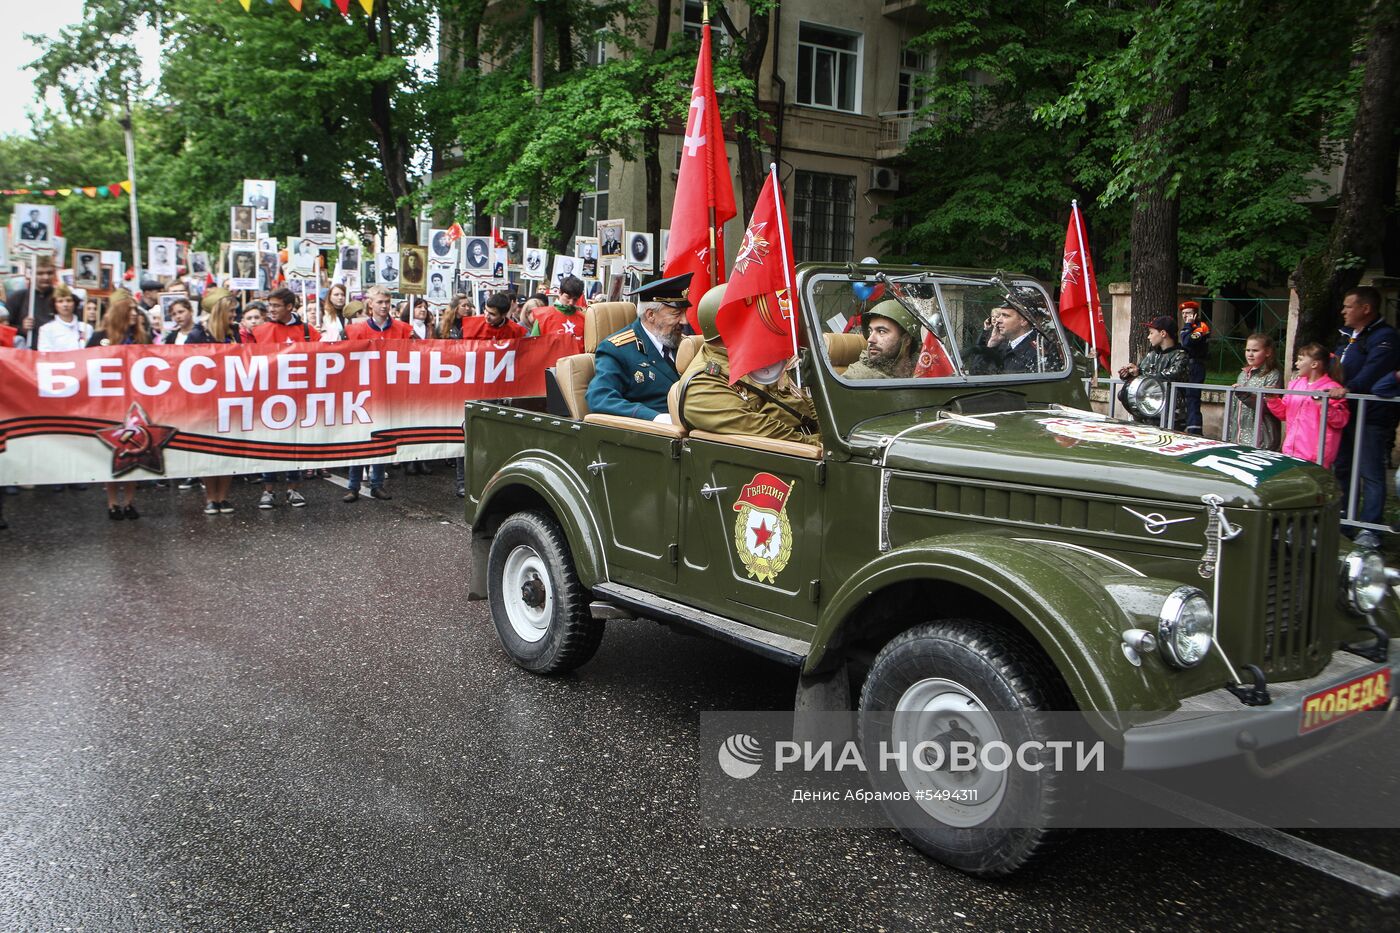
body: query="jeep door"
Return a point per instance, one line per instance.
(634, 478)
(751, 535)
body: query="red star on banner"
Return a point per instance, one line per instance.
(136, 442)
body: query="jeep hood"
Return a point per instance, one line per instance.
(1069, 449)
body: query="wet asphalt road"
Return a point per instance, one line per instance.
(295, 720)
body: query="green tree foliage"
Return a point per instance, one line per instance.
(986, 184)
(1031, 105)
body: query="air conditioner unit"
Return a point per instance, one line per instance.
(883, 179)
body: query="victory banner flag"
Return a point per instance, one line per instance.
(758, 319)
(137, 412)
(704, 190)
(1080, 308)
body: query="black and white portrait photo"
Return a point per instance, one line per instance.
(610, 238)
(437, 284)
(261, 195)
(318, 222)
(105, 280)
(563, 266)
(440, 245)
(476, 253)
(367, 275)
(386, 267)
(536, 261)
(269, 267)
(301, 255)
(638, 255)
(33, 225)
(243, 266)
(241, 224)
(413, 269)
(87, 268)
(162, 261)
(349, 259)
(586, 249)
(515, 246)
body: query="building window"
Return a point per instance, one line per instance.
(824, 217)
(518, 215)
(692, 19)
(594, 204)
(596, 53)
(828, 68)
(912, 67)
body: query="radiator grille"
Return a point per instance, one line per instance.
(1296, 585)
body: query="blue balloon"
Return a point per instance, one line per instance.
(862, 290)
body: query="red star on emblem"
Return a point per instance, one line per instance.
(136, 442)
(762, 534)
(1070, 275)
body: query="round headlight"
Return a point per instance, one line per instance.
(1364, 582)
(1147, 396)
(1184, 627)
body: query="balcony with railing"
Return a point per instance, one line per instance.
(896, 126)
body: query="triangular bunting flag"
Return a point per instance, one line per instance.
(126, 185)
(247, 5)
(368, 5)
(90, 191)
(296, 5)
(342, 5)
(64, 192)
(114, 189)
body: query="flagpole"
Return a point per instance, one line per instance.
(783, 252)
(1084, 262)
(710, 163)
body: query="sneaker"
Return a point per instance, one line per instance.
(295, 499)
(266, 502)
(1368, 539)
(187, 483)
(351, 496)
(131, 513)
(461, 493)
(115, 513)
(211, 508)
(379, 494)
(225, 507)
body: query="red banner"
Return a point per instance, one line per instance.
(133, 412)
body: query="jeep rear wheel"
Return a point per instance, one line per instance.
(537, 603)
(950, 681)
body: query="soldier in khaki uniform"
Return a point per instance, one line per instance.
(756, 404)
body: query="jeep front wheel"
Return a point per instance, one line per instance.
(960, 680)
(537, 603)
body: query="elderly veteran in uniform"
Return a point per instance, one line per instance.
(635, 368)
(891, 352)
(763, 403)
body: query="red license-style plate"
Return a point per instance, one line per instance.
(1330, 706)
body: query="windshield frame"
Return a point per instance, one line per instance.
(938, 280)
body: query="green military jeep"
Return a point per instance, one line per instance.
(974, 537)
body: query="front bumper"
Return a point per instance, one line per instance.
(1215, 726)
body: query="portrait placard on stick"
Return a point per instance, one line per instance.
(261, 195)
(241, 224)
(386, 268)
(515, 247)
(441, 246)
(87, 268)
(564, 266)
(33, 225)
(639, 252)
(610, 238)
(440, 276)
(476, 256)
(318, 222)
(243, 266)
(536, 262)
(162, 251)
(586, 250)
(413, 269)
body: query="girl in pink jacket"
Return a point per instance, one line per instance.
(1299, 413)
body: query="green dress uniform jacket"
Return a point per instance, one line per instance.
(631, 378)
(710, 403)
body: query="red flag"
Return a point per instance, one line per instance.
(497, 240)
(454, 232)
(1079, 289)
(757, 318)
(933, 359)
(704, 189)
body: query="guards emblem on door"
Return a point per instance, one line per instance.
(762, 534)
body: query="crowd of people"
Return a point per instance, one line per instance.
(1366, 361)
(48, 315)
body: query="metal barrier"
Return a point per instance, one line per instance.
(1359, 416)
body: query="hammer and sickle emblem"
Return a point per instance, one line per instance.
(694, 137)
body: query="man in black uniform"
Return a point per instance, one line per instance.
(34, 229)
(318, 224)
